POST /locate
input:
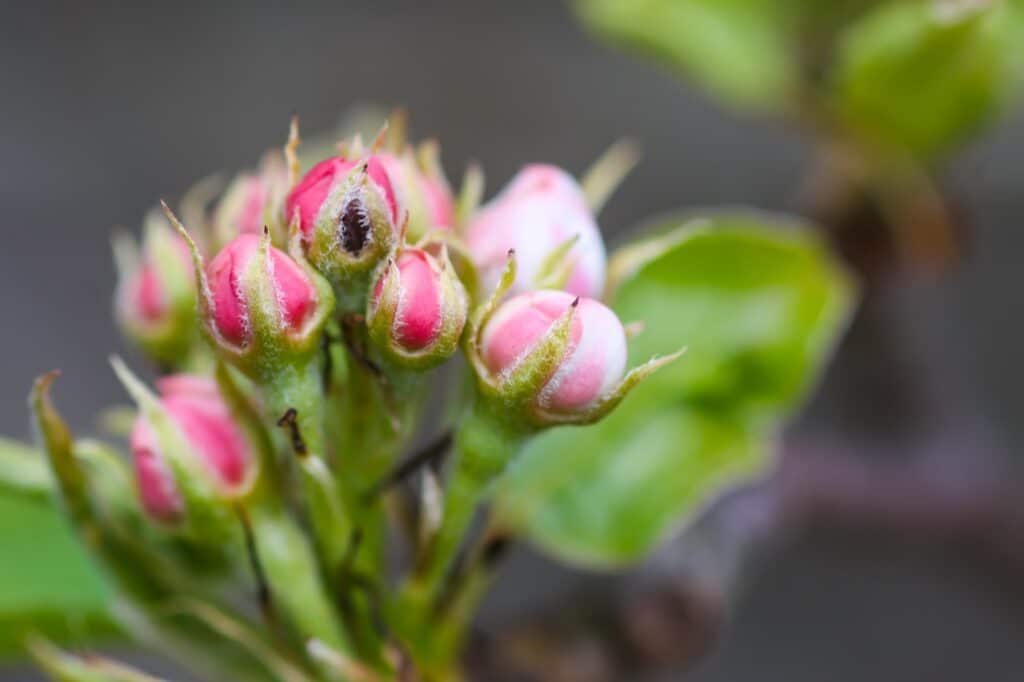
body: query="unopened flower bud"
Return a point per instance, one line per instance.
(543, 216)
(589, 365)
(422, 189)
(206, 431)
(252, 201)
(258, 293)
(347, 214)
(418, 308)
(155, 303)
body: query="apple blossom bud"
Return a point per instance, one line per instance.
(206, 428)
(245, 286)
(543, 216)
(252, 201)
(422, 189)
(590, 365)
(347, 215)
(155, 302)
(418, 309)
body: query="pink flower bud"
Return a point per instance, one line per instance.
(307, 198)
(295, 296)
(155, 299)
(423, 191)
(542, 209)
(593, 361)
(418, 308)
(196, 408)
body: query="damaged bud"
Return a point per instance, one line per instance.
(418, 309)
(347, 214)
(543, 215)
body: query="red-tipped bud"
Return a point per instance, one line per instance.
(590, 363)
(156, 294)
(418, 309)
(543, 216)
(205, 426)
(246, 288)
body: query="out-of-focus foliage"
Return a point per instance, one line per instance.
(758, 303)
(914, 76)
(49, 586)
(738, 49)
(925, 76)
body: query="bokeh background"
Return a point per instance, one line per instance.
(106, 108)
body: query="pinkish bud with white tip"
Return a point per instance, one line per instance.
(554, 357)
(543, 216)
(155, 302)
(592, 362)
(418, 309)
(191, 456)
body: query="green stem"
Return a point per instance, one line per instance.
(487, 440)
(293, 576)
(298, 388)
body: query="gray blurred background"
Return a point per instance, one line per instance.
(106, 108)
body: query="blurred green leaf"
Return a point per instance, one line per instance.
(738, 49)
(759, 303)
(923, 76)
(24, 471)
(47, 584)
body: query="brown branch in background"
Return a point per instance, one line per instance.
(674, 608)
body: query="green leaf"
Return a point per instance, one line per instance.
(922, 77)
(740, 50)
(24, 471)
(47, 584)
(758, 302)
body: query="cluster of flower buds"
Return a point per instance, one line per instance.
(361, 270)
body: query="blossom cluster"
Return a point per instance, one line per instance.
(296, 324)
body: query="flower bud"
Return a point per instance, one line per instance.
(418, 309)
(252, 201)
(255, 291)
(347, 215)
(543, 216)
(590, 364)
(155, 302)
(206, 431)
(422, 190)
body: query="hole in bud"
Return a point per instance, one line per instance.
(355, 227)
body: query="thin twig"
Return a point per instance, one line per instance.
(433, 452)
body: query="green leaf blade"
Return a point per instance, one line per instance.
(759, 304)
